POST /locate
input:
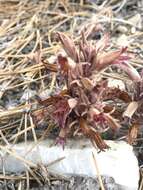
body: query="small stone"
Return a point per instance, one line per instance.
(122, 29)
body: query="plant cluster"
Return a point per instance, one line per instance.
(84, 104)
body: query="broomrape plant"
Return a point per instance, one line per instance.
(83, 106)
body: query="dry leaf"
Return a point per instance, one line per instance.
(116, 93)
(132, 133)
(112, 123)
(99, 142)
(93, 135)
(132, 107)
